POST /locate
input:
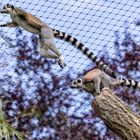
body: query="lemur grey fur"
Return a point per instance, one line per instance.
(96, 79)
(21, 18)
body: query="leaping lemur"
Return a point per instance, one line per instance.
(21, 18)
(96, 79)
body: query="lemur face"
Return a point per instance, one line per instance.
(8, 8)
(78, 83)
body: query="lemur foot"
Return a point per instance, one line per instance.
(61, 62)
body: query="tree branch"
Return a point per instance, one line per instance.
(117, 115)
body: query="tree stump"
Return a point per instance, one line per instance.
(117, 115)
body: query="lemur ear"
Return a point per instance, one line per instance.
(12, 7)
(8, 5)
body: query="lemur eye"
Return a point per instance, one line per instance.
(74, 82)
(79, 80)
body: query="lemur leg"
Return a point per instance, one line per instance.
(48, 37)
(110, 83)
(106, 80)
(9, 24)
(114, 83)
(43, 50)
(47, 45)
(105, 83)
(97, 82)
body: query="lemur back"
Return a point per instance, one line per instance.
(34, 25)
(27, 21)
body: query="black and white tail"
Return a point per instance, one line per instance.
(129, 83)
(80, 46)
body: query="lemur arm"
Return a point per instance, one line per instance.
(9, 24)
(97, 83)
(3, 11)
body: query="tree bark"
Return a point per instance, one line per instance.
(117, 115)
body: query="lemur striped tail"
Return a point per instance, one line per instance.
(129, 83)
(80, 46)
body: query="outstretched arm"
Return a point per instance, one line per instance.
(3, 11)
(9, 24)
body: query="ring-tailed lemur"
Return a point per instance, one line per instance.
(95, 80)
(27, 21)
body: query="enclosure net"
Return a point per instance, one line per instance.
(36, 95)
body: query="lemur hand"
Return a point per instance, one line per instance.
(61, 62)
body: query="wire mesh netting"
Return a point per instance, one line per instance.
(37, 98)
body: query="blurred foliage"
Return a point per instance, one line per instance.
(6, 131)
